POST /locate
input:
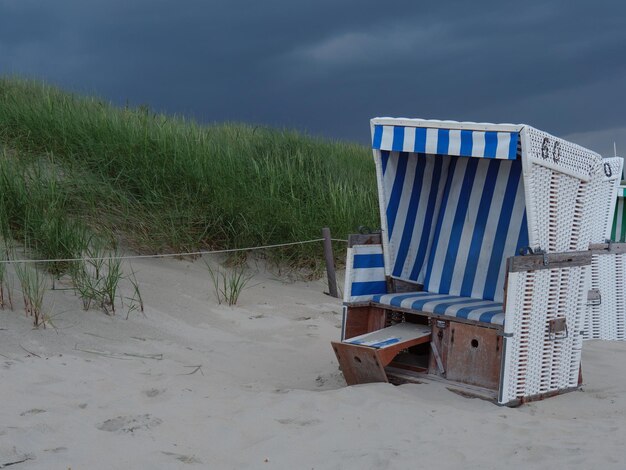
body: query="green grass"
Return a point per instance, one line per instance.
(34, 284)
(162, 183)
(228, 284)
(37, 211)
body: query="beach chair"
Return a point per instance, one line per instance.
(606, 309)
(480, 275)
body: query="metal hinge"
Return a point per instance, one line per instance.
(594, 297)
(557, 328)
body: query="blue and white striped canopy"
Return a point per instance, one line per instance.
(456, 142)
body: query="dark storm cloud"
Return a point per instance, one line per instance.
(328, 66)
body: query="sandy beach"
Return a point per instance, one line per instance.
(194, 384)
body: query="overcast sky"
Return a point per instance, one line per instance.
(327, 67)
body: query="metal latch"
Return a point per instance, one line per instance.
(558, 328)
(594, 297)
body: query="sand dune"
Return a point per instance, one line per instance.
(194, 384)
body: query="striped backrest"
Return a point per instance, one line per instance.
(412, 189)
(450, 223)
(365, 273)
(482, 222)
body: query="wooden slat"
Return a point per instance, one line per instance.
(607, 248)
(403, 333)
(365, 364)
(399, 286)
(437, 316)
(549, 261)
(364, 239)
(474, 356)
(398, 376)
(359, 364)
(361, 320)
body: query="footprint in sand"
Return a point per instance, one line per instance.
(56, 450)
(299, 422)
(183, 458)
(34, 411)
(153, 392)
(129, 423)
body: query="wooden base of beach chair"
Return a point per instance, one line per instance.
(359, 364)
(363, 358)
(469, 354)
(465, 356)
(399, 376)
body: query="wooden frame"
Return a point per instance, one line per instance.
(607, 248)
(467, 355)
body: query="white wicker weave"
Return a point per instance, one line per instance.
(605, 187)
(557, 175)
(562, 204)
(536, 363)
(618, 231)
(605, 317)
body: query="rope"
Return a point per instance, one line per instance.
(166, 255)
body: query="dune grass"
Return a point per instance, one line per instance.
(228, 284)
(34, 284)
(36, 211)
(161, 183)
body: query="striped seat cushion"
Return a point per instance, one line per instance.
(486, 311)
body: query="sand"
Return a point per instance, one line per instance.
(194, 384)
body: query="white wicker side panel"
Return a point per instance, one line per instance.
(607, 271)
(606, 319)
(604, 188)
(536, 363)
(618, 234)
(620, 299)
(557, 177)
(559, 206)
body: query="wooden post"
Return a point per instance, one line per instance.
(330, 263)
